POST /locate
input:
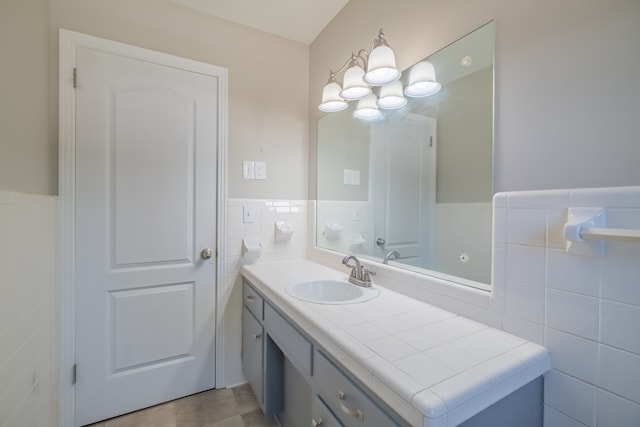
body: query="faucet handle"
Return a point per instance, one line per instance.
(366, 276)
(354, 271)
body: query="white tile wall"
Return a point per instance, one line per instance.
(563, 358)
(28, 387)
(266, 214)
(573, 313)
(614, 411)
(525, 301)
(619, 372)
(585, 310)
(571, 396)
(590, 304)
(615, 321)
(581, 308)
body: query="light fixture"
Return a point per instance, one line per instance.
(353, 86)
(367, 108)
(391, 96)
(380, 66)
(331, 100)
(381, 69)
(422, 80)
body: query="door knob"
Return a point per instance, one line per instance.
(206, 253)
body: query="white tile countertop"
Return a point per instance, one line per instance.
(433, 367)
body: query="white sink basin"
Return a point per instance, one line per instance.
(331, 292)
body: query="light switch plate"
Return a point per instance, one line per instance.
(248, 169)
(260, 170)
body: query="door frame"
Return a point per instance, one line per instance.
(69, 42)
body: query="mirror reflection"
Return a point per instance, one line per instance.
(413, 188)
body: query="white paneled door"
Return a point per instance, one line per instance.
(404, 162)
(146, 146)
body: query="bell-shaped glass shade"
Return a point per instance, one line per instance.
(367, 109)
(422, 80)
(353, 87)
(391, 96)
(381, 68)
(331, 100)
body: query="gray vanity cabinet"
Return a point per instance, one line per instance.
(262, 361)
(253, 354)
(253, 337)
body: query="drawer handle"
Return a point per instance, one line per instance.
(257, 336)
(251, 298)
(356, 413)
(316, 422)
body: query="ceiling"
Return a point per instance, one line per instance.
(299, 20)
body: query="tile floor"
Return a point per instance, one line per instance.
(232, 407)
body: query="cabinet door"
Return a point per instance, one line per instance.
(252, 353)
(321, 416)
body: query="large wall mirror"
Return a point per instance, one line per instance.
(413, 188)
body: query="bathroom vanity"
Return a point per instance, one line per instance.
(389, 361)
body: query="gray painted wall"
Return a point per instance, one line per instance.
(264, 124)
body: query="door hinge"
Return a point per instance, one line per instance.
(74, 374)
(430, 141)
(75, 77)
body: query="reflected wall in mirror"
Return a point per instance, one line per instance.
(414, 188)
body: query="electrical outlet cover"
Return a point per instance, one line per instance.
(247, 214)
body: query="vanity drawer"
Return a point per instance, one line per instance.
(347, 400)
(253, 301)
(293, 344)
(321, 415)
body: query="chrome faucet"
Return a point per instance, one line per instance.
(359, 274)
(387, 257)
